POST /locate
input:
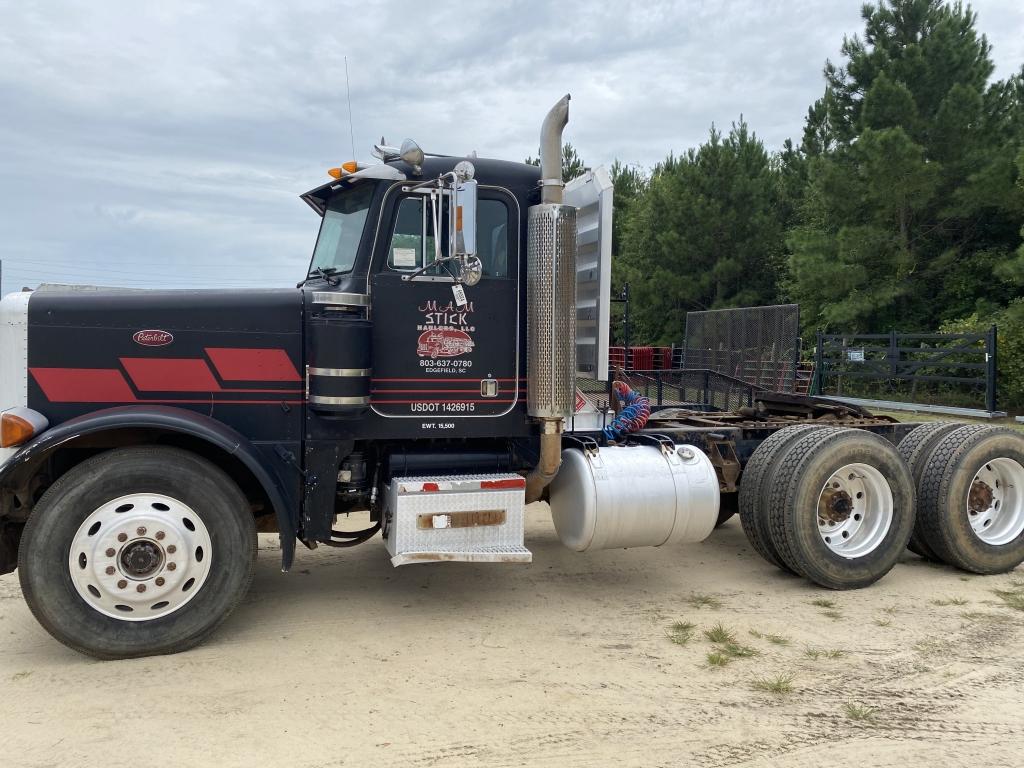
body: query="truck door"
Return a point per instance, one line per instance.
(432, 356)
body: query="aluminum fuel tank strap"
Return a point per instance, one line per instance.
(357, 372)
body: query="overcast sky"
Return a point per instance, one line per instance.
(150, 144)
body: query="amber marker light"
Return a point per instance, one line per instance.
(350, 167)
(19, 425)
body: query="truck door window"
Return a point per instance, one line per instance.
(412, 240)
(342, 229)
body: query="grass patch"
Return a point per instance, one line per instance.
(859, 712)
(1011, 598)
(822, 602)
(737, 651)
(892, 610)
(717, 659)
(834, 615)
(990, 618)
(720, 634)
(774, 639)
(950, 601)
(778, 685)
(681, 632)
(703, 601)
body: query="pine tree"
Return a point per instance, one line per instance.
(912, 212)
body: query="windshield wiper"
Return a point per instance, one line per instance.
(324, 274)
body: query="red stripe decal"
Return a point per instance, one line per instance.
(253, 364)
(170, 375)
(518, 482)
(430, 488)
(83, 385)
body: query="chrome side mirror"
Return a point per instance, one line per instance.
(412, 154)
(471, 270)
(465, 219)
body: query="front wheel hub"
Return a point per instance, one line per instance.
(140, 557)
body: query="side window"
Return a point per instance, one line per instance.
(492, 237)
(412, 240)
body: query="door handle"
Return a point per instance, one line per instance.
(488, 387)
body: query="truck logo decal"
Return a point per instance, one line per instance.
(152, 338)
(443, 342)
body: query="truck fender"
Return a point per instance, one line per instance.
(180, 421)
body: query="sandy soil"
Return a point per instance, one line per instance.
(349, 662)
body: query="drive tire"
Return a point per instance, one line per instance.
(752, 500)
(915, 448)
(945, 520)
(879, 518)
(56, 524)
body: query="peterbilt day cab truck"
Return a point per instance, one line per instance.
(425, 371)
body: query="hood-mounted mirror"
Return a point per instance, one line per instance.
(413, 155)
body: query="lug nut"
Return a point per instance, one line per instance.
(140, 588)
(171, 566)
(122, 537)
(159, 581)
(122, 584)
(172, 549)
(110, 552)
(110, 570)
(141, 531)
(160, 535)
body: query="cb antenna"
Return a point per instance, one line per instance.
(351, 130)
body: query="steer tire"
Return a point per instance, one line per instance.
(915, 449)
(945, 506)
(751, 497)
(795, 492)
(203, 498)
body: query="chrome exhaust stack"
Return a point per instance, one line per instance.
(550, 305)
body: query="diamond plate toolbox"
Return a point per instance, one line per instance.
(465, 518)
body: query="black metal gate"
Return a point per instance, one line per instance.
(954, 369)
(760, 345)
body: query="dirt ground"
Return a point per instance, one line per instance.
(568, 661)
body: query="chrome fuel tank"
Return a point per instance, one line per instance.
(634, 496)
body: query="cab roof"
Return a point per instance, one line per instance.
(516, 176)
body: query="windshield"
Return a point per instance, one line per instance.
(341, 230)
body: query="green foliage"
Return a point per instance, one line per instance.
(901, 207)
(1009, 322)
(912, 213)
(705, 232)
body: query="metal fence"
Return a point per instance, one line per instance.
(955, 369)
(700, 390)
(760, 345)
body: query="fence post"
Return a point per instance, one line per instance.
(991, 369)
(819, 362)
(661, 389)
(894, 354)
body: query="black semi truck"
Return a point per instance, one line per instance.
(425, 371)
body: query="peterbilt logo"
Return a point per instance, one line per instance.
(443, 342)
(152, 338)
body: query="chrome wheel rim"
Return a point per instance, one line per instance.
(140, 557)
(855, 510)
(995, 501)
